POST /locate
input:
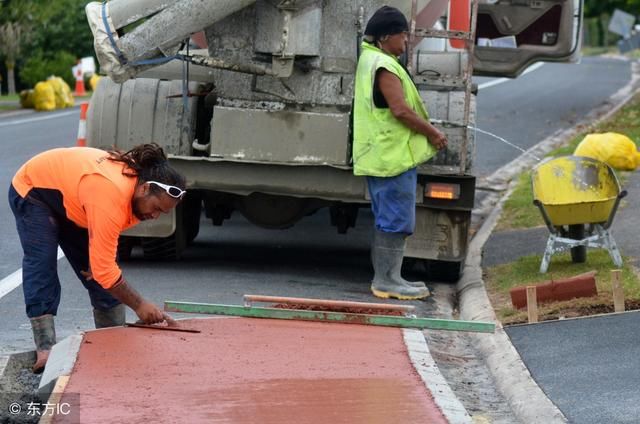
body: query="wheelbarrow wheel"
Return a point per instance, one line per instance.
(578, 253)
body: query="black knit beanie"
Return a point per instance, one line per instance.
(386, 21)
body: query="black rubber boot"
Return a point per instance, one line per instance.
(44, 336)
(114, 317)
(387, 254)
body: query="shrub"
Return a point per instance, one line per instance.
(39, 68)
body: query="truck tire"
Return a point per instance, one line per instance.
(188, 214)
(167, 248)
(191, 216)
(444, 271)
(139, 111)
(125, 247)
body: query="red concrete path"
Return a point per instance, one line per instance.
(243, 370)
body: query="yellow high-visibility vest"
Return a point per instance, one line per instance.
(382, 145)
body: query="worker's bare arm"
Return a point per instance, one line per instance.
(391, 89)
(146, 311)
(126, 294)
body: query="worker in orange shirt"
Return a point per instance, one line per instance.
(82, 198)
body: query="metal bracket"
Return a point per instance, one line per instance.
(282, 66)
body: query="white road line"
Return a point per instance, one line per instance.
(492, 83)
(38, 118)
(501, 80)
(8, 284)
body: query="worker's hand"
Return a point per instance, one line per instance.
(150, 313)
(438, 139)
(170, 321)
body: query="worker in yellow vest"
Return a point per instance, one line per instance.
(392, 136)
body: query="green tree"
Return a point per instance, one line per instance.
(11, 39)
(596, 8)
(47, 29)
(62, 26)
(38, 68)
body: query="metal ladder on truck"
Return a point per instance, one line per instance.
(449, 82)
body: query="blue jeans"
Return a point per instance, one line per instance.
(393, 202)
(40, 232)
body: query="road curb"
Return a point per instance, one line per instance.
(527, 400)
(61, 361)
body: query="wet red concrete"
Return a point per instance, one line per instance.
(243, 370)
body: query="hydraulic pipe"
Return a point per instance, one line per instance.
(174, 24)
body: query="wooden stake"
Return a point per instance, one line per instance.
(532, 304)
(618, 292)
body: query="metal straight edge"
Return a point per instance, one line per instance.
(337, 317)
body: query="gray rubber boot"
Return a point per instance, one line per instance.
(390, 241)
(387, 254)
(44, 336)
(114, 317)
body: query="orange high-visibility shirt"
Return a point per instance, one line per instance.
(95, 195)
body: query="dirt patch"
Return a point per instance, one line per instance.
(601, 304)
(346, 310)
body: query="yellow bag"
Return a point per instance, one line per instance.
(64, 98)
(44, 97)
(93, 81)
(26, 99)
(616, 150)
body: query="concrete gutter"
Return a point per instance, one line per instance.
(527, 400)
(434, 381)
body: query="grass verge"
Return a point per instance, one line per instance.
(9, 98)
(524, 271)
(520, 213)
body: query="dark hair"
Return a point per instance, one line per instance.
(148, 162)
(386, 21)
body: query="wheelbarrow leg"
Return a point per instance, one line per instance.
(548, 251)
(610, 245)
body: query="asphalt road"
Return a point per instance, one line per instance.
(533, 106)
(588, 367)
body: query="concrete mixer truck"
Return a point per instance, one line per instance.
(252, 99)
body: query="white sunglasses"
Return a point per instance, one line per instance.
(173, 191)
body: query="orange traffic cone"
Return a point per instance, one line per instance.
(82, 126)
(80, 90)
